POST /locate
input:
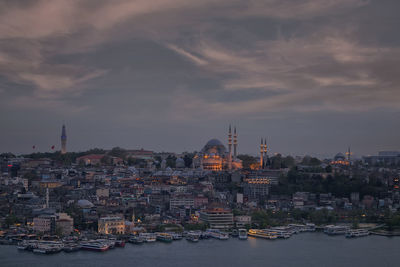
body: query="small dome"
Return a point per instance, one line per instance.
(85, 204)
(179, 163)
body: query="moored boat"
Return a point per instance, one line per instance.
(262, 234)
(357, 233)
(164, 237)
(176, 236)
(71, 247)
(94, 246)
(242, 234)
(217, 234)
(336, 229)
(192, 237)
(120, 243)
(149, 237)
(138, 240)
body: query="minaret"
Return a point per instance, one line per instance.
(230, 148)
(63, 140)
(47, 197)
(265, 152)
(234, 143)
(261, 155)
(348, 153)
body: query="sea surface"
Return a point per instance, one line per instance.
(306, 249)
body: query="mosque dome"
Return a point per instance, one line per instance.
(85, 204)
(180, 163)
(339, 156)
(214, 146)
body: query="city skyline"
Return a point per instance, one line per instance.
(311, 76)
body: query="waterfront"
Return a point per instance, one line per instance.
(307, 249)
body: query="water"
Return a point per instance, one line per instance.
(307, 249)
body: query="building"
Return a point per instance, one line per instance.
(217, 218)
(64, 224)
(63, 140)
(257, 183)
(177, 202)
(45, 224)
(92, 159)
(111, 225)
(103, 192)
(383, 157)
(140, 154)
(242, 220)
(215, 157)
(340, 159)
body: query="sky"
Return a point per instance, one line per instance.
(311, 76)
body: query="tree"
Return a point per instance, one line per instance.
(288, 162)
(118, 152)
(171, 161)
(247, 161)
(276, 161)
(188, 160)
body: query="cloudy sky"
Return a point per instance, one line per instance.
(313, 76)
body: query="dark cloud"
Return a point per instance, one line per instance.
(311, 75)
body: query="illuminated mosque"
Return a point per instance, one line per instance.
(215, 157)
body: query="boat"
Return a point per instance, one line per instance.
(149, 237)
(192, 236)
(357, 233)
(120, 243)
(176, 236)
(262, 233)
(235, 233)
(47, 249)
(94, 246)
(335, 229)
(217, 234)
(164, 237)
(242, 234)
(71, 247)
(22, 245)
(281, 232)
(138, 240)
(109, 242)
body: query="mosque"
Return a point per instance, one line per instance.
(215, 157)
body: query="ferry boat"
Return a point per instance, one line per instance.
(94, 246)
(22, 245)
(138, 240)
(204, 234)
(217, 234)
(262, 233)
(235, 233)
(149, 237)
(281, 232)
(357, 233)
(335, 229)
(47, 248)
(299, 228)
(242, 234)
(164, 237)
(176, 236)
(192, 237)
(71, 247)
